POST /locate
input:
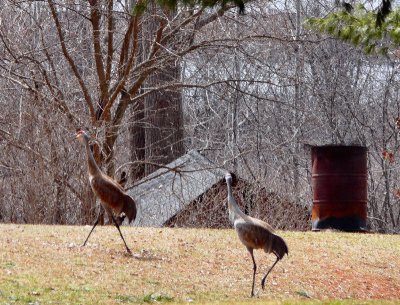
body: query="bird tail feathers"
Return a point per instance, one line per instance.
(279, 247)
(129, 208)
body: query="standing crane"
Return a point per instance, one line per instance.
(112, 196)
(254, 233)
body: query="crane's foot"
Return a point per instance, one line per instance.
(129, 252)
(254, 294)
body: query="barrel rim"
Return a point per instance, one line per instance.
(339, 145)
(339, 202)
(341, 174)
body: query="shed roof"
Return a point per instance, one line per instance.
(165, 192)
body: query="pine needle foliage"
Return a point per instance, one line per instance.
(361, 28)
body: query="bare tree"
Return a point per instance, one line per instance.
(247, 91)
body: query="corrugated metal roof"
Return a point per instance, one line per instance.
(162, 194)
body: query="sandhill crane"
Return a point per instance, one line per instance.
(254, 233)
(112, 196)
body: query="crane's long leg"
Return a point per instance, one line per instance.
(117, 225)
(94, 225)
(265, 276)
(254, 270)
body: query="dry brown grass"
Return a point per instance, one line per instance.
(48, 265)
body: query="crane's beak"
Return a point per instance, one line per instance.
(74, 136)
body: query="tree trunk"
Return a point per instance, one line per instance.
(137, 141)
(163, 116)
(157, 127)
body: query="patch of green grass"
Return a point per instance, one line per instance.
(79, 288)
(126, 299)
(303, 294)
(7, 265)
(152, 282)
(157, 298)
(25, 290)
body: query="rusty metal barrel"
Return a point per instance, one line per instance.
(339, 182)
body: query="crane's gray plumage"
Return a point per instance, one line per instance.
(254, 233)
(111, 194)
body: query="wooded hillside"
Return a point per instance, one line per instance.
(248, 91)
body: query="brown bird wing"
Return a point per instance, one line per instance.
(109, 192)
(252, 235)
(261, 223)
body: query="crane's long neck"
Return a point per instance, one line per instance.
(92, 165)
(234, 211)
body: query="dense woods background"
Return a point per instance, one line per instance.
(250, 92)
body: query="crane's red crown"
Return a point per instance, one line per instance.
(80, 134)
(80, 131)
(232, 177)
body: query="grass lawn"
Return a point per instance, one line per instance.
(48, 265)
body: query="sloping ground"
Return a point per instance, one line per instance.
(47, 265)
